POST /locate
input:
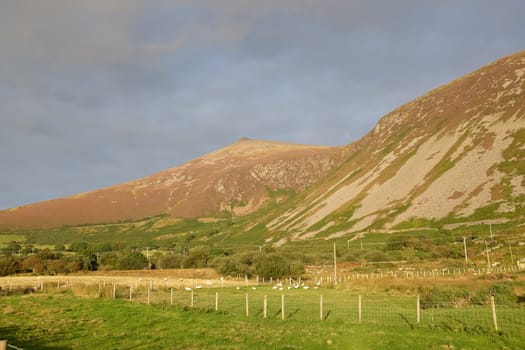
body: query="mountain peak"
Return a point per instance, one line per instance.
(456, 152)
(235, 178)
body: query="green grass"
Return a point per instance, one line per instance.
(5, 239)
(63, 321)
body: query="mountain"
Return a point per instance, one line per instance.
(238, 178)
(455, 154)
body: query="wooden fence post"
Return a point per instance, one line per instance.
(282, 306)
(321, 307)
(3, 344)
(494, 318)
(216, 301)
(191, 301)
(114, 291)
(247, 306)
(359, 309)
(149, 295)
(265, 307)
(171, 296)
(418, 310)
(130, 292)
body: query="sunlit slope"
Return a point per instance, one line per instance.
(236, 179)
(456, 153)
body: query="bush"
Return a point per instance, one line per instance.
(34, 264)
(503, 294)
(197, 258)
(277, 266)
(443, 297)
(132, 261)
(109, 260)
(272, 265)
(8, 266)
(170, 261)
(59, 247)
(376, 256)
(231, 266)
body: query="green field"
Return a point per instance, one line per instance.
(65, 320)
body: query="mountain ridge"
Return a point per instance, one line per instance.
(234, 178)
(454, 153)
(432, 137)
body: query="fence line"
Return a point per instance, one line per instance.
(327, 277)
(325, 305)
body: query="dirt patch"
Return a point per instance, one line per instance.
(456, 195)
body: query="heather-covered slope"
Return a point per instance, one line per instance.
(457, 152)
(236, 178)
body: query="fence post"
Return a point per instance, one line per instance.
(321, 307)
(191, 302)
(494, 318)
(3, 344)
(282, 306)
(247, 306)
(171, 296)
(216, 301)
(418, 310)
(265, 307)
(149, 295)
(114, 291)
(359, 309)
(130, 292)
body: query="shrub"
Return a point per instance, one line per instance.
(59, 247)
(133, 261)
(197, 258)
(375, 256)
(502, 293)
(8, 266)
(170, 261)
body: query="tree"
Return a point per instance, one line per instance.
(133, 261)
(8, 266)
(33, 263)
(197, 258)
(13, 247)
(55, 266)
(170, 261)
(277, 266)
(78, 246)
(109, 260)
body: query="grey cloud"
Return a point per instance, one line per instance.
(122, 89)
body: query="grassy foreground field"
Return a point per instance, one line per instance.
(65, 321)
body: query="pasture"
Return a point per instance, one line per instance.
(70, 312)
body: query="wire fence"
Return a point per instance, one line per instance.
(304, 304)
(297, 302)
(326, 276)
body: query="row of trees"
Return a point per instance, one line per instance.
(82, 256)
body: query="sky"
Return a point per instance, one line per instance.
(96, 93)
